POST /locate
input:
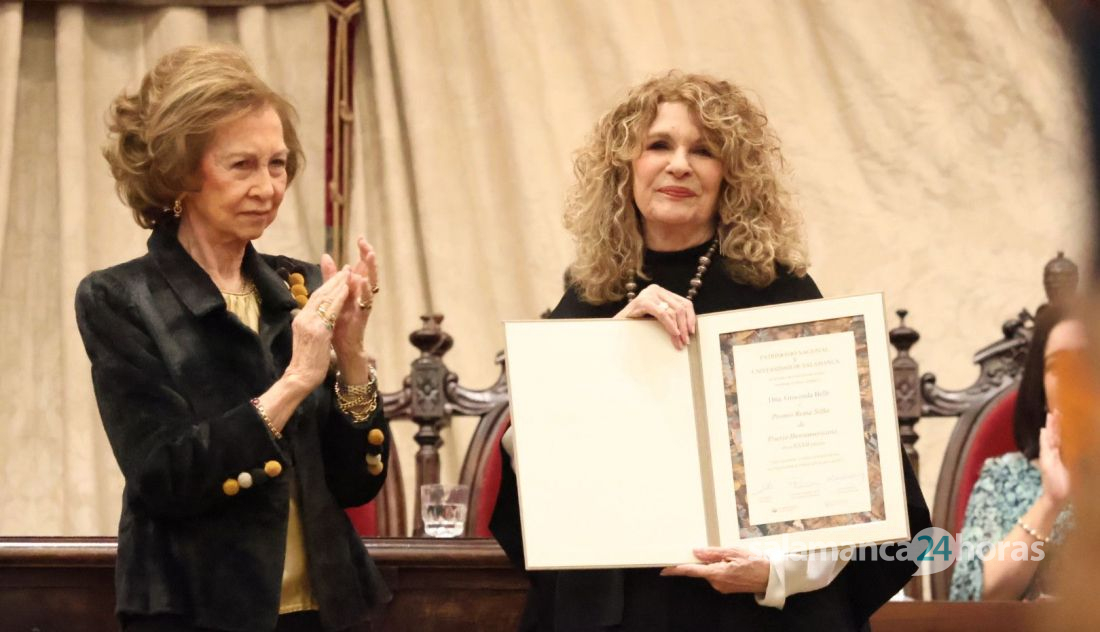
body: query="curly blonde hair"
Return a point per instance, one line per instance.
(757, 227)
(157, 135)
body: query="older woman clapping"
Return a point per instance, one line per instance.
(678, 209)
(210, 361)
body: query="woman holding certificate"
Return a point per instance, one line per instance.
(679, 210)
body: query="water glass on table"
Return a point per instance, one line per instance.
(443, 509)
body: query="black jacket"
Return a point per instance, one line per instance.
(174, 372)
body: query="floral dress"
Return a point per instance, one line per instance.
(1006, 489)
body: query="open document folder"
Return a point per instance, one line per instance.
(774, 430)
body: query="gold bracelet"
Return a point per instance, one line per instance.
(1032, 532)
(255, 401)
(359, 409)
(358, 401)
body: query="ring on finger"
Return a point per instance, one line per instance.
(663, 306)
(363, 304)
(330, 323)
(375, 289)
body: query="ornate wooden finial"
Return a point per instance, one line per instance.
(906, 385)
(903, 337)
(1060, 277)
(430, 338)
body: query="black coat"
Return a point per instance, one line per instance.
(174, 372)
(640, 600)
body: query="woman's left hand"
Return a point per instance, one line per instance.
(351, 323)
(727, 570)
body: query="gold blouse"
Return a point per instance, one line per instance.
(297, 592)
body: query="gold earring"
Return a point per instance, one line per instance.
(177, 208)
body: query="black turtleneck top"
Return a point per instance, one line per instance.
(640, 600)
(674, 271)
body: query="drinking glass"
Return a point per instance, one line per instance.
(443, 509)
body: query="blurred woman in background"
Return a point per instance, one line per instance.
(1021, 498)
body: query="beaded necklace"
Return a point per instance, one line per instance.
(693, 285)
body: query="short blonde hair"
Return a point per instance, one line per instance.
(158, 134)
(757, 227)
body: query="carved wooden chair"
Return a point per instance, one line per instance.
(481, 467)
(984, 409)
(430, 396)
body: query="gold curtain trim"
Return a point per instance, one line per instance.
(341, 118)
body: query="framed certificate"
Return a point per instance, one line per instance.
(774, 430)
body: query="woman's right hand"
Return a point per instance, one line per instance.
(312, 327)
(675, 313)
(1054, 473)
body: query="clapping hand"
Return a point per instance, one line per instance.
(362, 283)
(313, 328)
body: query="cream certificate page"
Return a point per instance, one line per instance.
(800, 423)
(606, 444)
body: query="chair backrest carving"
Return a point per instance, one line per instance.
(1000, 365)
(431, 395)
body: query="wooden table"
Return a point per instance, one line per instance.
(66, 584)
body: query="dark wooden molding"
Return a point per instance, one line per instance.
(438, 585)
(100, 552)
(431, 553)
(58, 552)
